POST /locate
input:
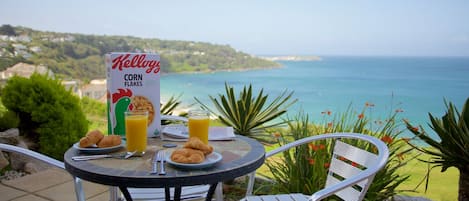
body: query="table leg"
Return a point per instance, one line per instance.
(210, 192)
(126, 193)
(167, 193)
(177, 193)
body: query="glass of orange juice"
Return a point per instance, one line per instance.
(198, 124)
(136, 123)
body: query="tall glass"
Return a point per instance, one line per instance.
(136, 123)
(198, 124)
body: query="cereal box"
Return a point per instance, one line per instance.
(133, 83)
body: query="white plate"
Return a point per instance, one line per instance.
(97, 150)
(209, 161)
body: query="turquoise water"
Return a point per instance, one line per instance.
(416, 85)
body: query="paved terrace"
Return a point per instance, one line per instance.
(52, 184)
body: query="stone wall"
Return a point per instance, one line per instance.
(17, 161)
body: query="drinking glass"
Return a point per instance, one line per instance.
(136, 123)
(198, 124)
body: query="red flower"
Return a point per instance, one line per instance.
(367, 104)
(361, 115)
(327, 165)
(322, 146)
(329, 125)
(328, 112)
(387, 139)
(313, 147)
(415, 129)
(311, 161)
(276, 135)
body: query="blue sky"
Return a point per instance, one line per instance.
(262, 27)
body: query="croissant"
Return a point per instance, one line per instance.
(196, 143)
(91, 138)
(186, 155)
(109, 141)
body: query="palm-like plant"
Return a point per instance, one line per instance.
(453, 148)
(248, 114)
(169, 107)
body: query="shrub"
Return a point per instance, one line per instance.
(8, 119)
(49, 114)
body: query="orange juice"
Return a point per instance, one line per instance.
(198, 127)
(136, 131)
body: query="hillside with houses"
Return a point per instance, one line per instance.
(72, 56)
(95, 89)
(78, 59)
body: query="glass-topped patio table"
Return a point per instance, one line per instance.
(240, 156)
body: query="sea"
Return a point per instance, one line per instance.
(413, 86)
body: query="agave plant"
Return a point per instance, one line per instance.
(169, 107)
(452, 150)
(249, 114)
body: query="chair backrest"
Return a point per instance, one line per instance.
(352, 169)
(346, 162)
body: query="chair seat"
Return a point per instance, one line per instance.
(280, 197)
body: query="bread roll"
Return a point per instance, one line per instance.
(110, 141)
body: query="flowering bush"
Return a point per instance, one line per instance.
(289, 172)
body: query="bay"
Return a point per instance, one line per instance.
(414, 85)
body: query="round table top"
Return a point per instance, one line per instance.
(241, 156)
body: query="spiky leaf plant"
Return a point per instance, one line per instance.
(452, 149)
(249, 114)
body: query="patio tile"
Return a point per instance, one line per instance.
(10, 193)
(29, 197)
(66, 191)
(101, 197)
(40, 180)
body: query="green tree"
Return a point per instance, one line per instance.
(49, 114)
(8, 30)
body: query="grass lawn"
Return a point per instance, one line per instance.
(441, 187)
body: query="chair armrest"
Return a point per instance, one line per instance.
(27, 152)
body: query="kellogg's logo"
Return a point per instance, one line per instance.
(138, 61)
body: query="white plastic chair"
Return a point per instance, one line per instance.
(351, 174)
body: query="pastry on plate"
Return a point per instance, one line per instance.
(91, 138)
(196, 143)
(109, 141)
(187, 155)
